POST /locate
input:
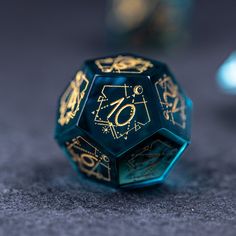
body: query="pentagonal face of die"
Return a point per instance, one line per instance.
(71, 102)
(149, 162)
(88, 158)
(118, 113)
(174, 106)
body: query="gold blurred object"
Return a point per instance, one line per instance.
(132, 12)
(148, 21)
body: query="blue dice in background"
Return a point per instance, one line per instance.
(124, 120)
(226, 75)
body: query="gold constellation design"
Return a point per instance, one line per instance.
(109, 113)
(89, 159)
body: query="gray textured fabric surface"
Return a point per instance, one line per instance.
(41, 46)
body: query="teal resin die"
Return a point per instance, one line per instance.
(124, 120)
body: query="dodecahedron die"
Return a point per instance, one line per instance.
(124, 120)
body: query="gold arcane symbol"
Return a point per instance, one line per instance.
(89, 159)
(118, 109)
(71, 99)
(123, 64)
(172, 102)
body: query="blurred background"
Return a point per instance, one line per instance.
(42, 44)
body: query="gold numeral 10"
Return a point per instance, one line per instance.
(119, 110)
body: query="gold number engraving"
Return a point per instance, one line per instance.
(133, 109)
(123, 64)
(118, 102)
(118, 116)
(172, 101)
(89, 159)
(72, 97)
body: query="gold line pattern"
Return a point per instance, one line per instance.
(110, 110)
(172, 101)
(123, 64)
(89, 159)
(148, 162)
(72, 97)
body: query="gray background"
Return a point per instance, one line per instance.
(42, 43)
